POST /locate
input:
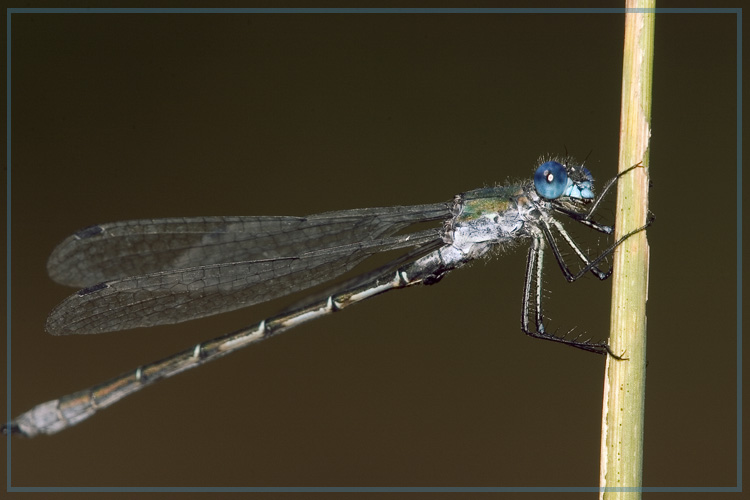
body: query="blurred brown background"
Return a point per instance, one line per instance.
(134, 116)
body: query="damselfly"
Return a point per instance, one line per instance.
(161, 271)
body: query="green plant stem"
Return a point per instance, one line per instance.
(625, 380)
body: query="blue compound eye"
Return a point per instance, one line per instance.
(550, 180)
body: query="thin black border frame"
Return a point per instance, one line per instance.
(736, 11)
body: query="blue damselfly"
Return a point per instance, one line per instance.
(152, 272)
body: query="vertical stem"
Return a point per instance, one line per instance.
(625, 381)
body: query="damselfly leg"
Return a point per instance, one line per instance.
(533, 279)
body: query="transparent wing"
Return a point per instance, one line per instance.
(293, 254)
(131, 248)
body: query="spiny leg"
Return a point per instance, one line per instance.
(588, 266)
(608, 186)
(534, 275)
(591, 265)
(547, 230)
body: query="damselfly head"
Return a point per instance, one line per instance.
(553, 180)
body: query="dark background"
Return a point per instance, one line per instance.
(136, 116)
